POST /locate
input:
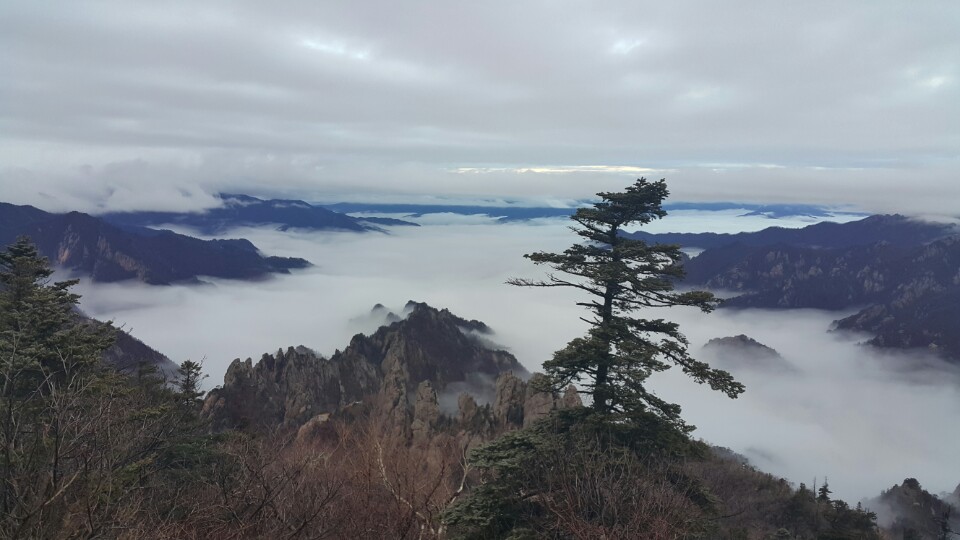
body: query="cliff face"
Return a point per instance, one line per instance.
(402, 369)
(288, 388)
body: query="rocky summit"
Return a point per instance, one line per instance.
(429, 368)
(909, 511)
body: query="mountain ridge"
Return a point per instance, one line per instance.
(511, 213)
(89, 245)
(900, 273)
(244, 210)
(895, 229)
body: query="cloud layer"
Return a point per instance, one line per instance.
(863, 419)
(112, 105)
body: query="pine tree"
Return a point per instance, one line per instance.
(823, 494)
(42, 339)
(48, 356)
(620, 276)
(626, 422)
(189, 394)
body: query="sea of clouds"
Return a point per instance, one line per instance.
(864, 419)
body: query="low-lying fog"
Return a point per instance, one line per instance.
(863, 419)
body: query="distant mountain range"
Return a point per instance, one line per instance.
(906, 272)
(502, 213)
(243, 210)
(892, 229)
(107, 252)
(521, 213)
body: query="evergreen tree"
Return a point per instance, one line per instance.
(42, 340)
(622, 275)
(558, 479)
(823, 494)
(83, 448)
(189, 376)
(47, 357)
(626, 423)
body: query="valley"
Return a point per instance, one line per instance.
(462, 265)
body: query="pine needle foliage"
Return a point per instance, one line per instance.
(621, 278)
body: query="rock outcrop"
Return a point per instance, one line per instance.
(428, 353)
(511, 396)
(426, 410)
(517, 404)
(909, 511)
(288, 388)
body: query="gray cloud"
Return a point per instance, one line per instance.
(823, 102)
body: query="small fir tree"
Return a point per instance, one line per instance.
(189, 376)
(823, 494)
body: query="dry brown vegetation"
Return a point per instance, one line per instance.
(360, 480)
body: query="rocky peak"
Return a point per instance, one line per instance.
(434, 345)
(521, 403)
(910, 509)
(288, 388)
(511, 396)
(469, 412)
(429, 346)
(538, 403)
(911, 485)
(399, 373)
(381, 312)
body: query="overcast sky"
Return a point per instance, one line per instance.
(111, 105)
